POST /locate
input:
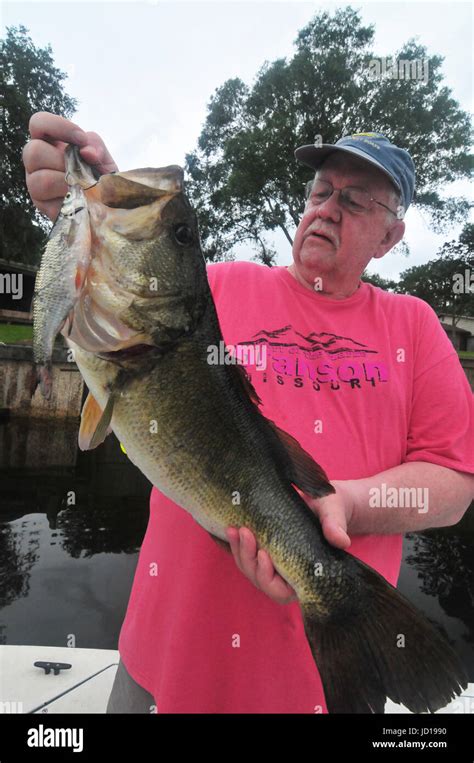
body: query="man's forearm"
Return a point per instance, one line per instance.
(412, 496)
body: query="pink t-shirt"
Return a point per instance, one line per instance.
(365, 384)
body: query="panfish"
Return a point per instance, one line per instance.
(63, 267)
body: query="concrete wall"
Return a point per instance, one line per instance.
(16, 368)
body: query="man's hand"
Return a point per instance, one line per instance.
(334, 512)
(43, 158)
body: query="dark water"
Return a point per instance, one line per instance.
(71, 525)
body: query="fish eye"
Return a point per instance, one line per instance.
(183, 234)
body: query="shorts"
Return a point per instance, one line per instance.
(127, 696)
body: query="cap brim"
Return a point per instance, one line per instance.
(313, 156)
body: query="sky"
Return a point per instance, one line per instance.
(143, 72)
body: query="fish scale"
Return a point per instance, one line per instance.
(59, 279)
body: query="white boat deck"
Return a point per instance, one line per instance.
(86, 686)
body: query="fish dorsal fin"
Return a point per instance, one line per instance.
(300, 468)
(91, 421)
(249, 389)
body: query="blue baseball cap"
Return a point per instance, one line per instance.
(375, 148)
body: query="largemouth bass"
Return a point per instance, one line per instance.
(141, 329)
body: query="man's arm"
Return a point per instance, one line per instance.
(410, 497)
(432, 496)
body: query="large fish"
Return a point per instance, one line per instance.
(142, 326)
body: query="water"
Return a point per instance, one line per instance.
(71, 525)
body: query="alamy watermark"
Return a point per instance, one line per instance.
(242, 354)
(12, 283)
(399, 498)
(399, 68)
(51, 737)
(14, 706)
(463, 283)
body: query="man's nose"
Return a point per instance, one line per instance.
(328, 210)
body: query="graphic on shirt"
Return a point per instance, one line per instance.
(323, 359)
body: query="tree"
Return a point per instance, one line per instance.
(244, 179)
(29, 82)
(446, 282)
(377, 280)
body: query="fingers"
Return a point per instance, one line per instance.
(53, 128)
(96, 154)
(37, 155)
(47, 189)
(258, 566)
(44, 170)
(43, 158)
(270, 581)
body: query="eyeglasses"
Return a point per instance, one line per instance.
(355, 200)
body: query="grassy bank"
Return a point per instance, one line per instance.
(10, 333)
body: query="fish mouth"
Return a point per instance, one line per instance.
(128, 353)
(106, 320)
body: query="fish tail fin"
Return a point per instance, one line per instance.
(42, 376)
(384, 649)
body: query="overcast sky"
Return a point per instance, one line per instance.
(143, 72)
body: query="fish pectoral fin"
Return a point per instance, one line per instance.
(94, 423)
(301, 469)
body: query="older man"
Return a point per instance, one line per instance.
(369, 384)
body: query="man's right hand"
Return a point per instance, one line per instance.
(43, 157)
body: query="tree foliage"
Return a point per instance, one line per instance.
(445, 282)
(244, 179)
(29, 82)
(377, 280)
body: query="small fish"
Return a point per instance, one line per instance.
(140, 332)
(63, 268)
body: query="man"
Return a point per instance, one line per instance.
(366, 381)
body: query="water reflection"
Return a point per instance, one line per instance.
(30, 443)
(445, 566)
(72, 522)
(64, 514)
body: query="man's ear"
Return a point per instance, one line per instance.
(392, 237)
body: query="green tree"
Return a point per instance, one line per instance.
(29, 82)
(244, 179)
(376, 280)
(446, 282)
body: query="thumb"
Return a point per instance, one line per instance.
(96, 154)
(332, 516)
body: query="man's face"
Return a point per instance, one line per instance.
(332, 241)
